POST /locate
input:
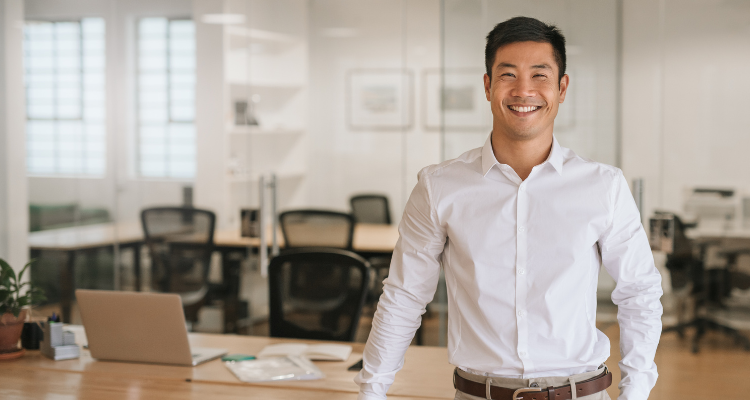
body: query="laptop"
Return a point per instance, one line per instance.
(139, 327)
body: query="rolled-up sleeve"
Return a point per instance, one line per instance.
(627, 257)
(411, 284)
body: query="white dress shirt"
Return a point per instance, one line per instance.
(521, 261)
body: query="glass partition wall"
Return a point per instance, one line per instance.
(193, 102)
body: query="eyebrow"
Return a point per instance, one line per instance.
(537, 66)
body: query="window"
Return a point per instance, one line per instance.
(166, 98)
(65, 110)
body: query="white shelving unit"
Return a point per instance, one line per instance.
(265, 63)
(267, 69)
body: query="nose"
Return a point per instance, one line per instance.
(523, 87)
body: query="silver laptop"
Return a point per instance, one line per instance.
(138, 327)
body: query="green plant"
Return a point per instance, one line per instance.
(11, 299)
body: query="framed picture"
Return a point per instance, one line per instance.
(379, 99)
(455, 100)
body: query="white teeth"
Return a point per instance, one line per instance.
(524, 109)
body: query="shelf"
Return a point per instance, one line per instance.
(251, 178)
(258, 131)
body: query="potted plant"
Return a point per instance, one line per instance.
(14, 302)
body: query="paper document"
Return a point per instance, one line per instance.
(315, 352)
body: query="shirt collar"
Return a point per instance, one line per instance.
(555, 157)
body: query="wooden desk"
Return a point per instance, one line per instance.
(426, 374)
(369, 239)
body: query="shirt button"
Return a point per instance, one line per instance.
(521, 229)
(523, 188)
(521, 271)
(523, 354)
(521, 313)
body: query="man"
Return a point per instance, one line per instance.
(521, 227)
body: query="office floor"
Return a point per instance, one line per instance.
(718, 371)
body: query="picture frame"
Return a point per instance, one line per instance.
(379, 99)
(455, 100)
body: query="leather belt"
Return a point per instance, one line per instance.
(488, 391)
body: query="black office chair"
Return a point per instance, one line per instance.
(317, 293)
(371, 209)
(709, 287)
(317, 228)
(180, 242)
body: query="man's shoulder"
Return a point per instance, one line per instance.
(588, 166)
(468, 161)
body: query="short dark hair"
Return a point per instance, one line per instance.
(525, 29)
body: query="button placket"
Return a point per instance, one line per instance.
(522, 211)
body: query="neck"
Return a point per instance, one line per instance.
(521, 155)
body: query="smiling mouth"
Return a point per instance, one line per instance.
(524, 109)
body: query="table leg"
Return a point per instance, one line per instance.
(231, 268)
(67, 286)
(137, 266)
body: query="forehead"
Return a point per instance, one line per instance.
(525, 55)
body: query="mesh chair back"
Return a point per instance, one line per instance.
(371, 209)
(317, 228)
(317, 293)
(180, 242)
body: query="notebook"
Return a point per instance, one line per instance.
(315, 352)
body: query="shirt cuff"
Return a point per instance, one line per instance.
(365, 396)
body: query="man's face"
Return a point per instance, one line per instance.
(524, 92)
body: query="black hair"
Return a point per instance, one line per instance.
(525, 29)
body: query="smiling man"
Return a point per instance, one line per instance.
(521, 227)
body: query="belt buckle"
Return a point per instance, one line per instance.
(524, 390)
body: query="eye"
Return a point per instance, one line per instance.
(508, 74)
(540, 76)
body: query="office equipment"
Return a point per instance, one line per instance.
(371, 209)
(59, 344)
(180, 242)
(287, 368)
(139, 327)
(317, 228)
(315, 352)
(317, 293)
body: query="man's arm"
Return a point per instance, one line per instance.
(411, 284)
(627, 256)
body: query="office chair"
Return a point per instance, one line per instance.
(691, 278)
(371, 209)
(317, 228)
(317, 293)
(180, 242)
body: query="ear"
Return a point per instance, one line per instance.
(564, 87)
(487, 87)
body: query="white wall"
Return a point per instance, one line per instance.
(685, 91)
(13, 205)
(389, 34)
(120, 191)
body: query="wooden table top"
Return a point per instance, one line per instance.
(426, 373)
(367, 237)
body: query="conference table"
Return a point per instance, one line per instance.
(369, 240)
(426, 375)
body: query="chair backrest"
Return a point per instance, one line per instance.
(371, 209)
(180, 242)
(317, 293)
(317, 228)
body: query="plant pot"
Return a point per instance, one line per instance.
(10, 331)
